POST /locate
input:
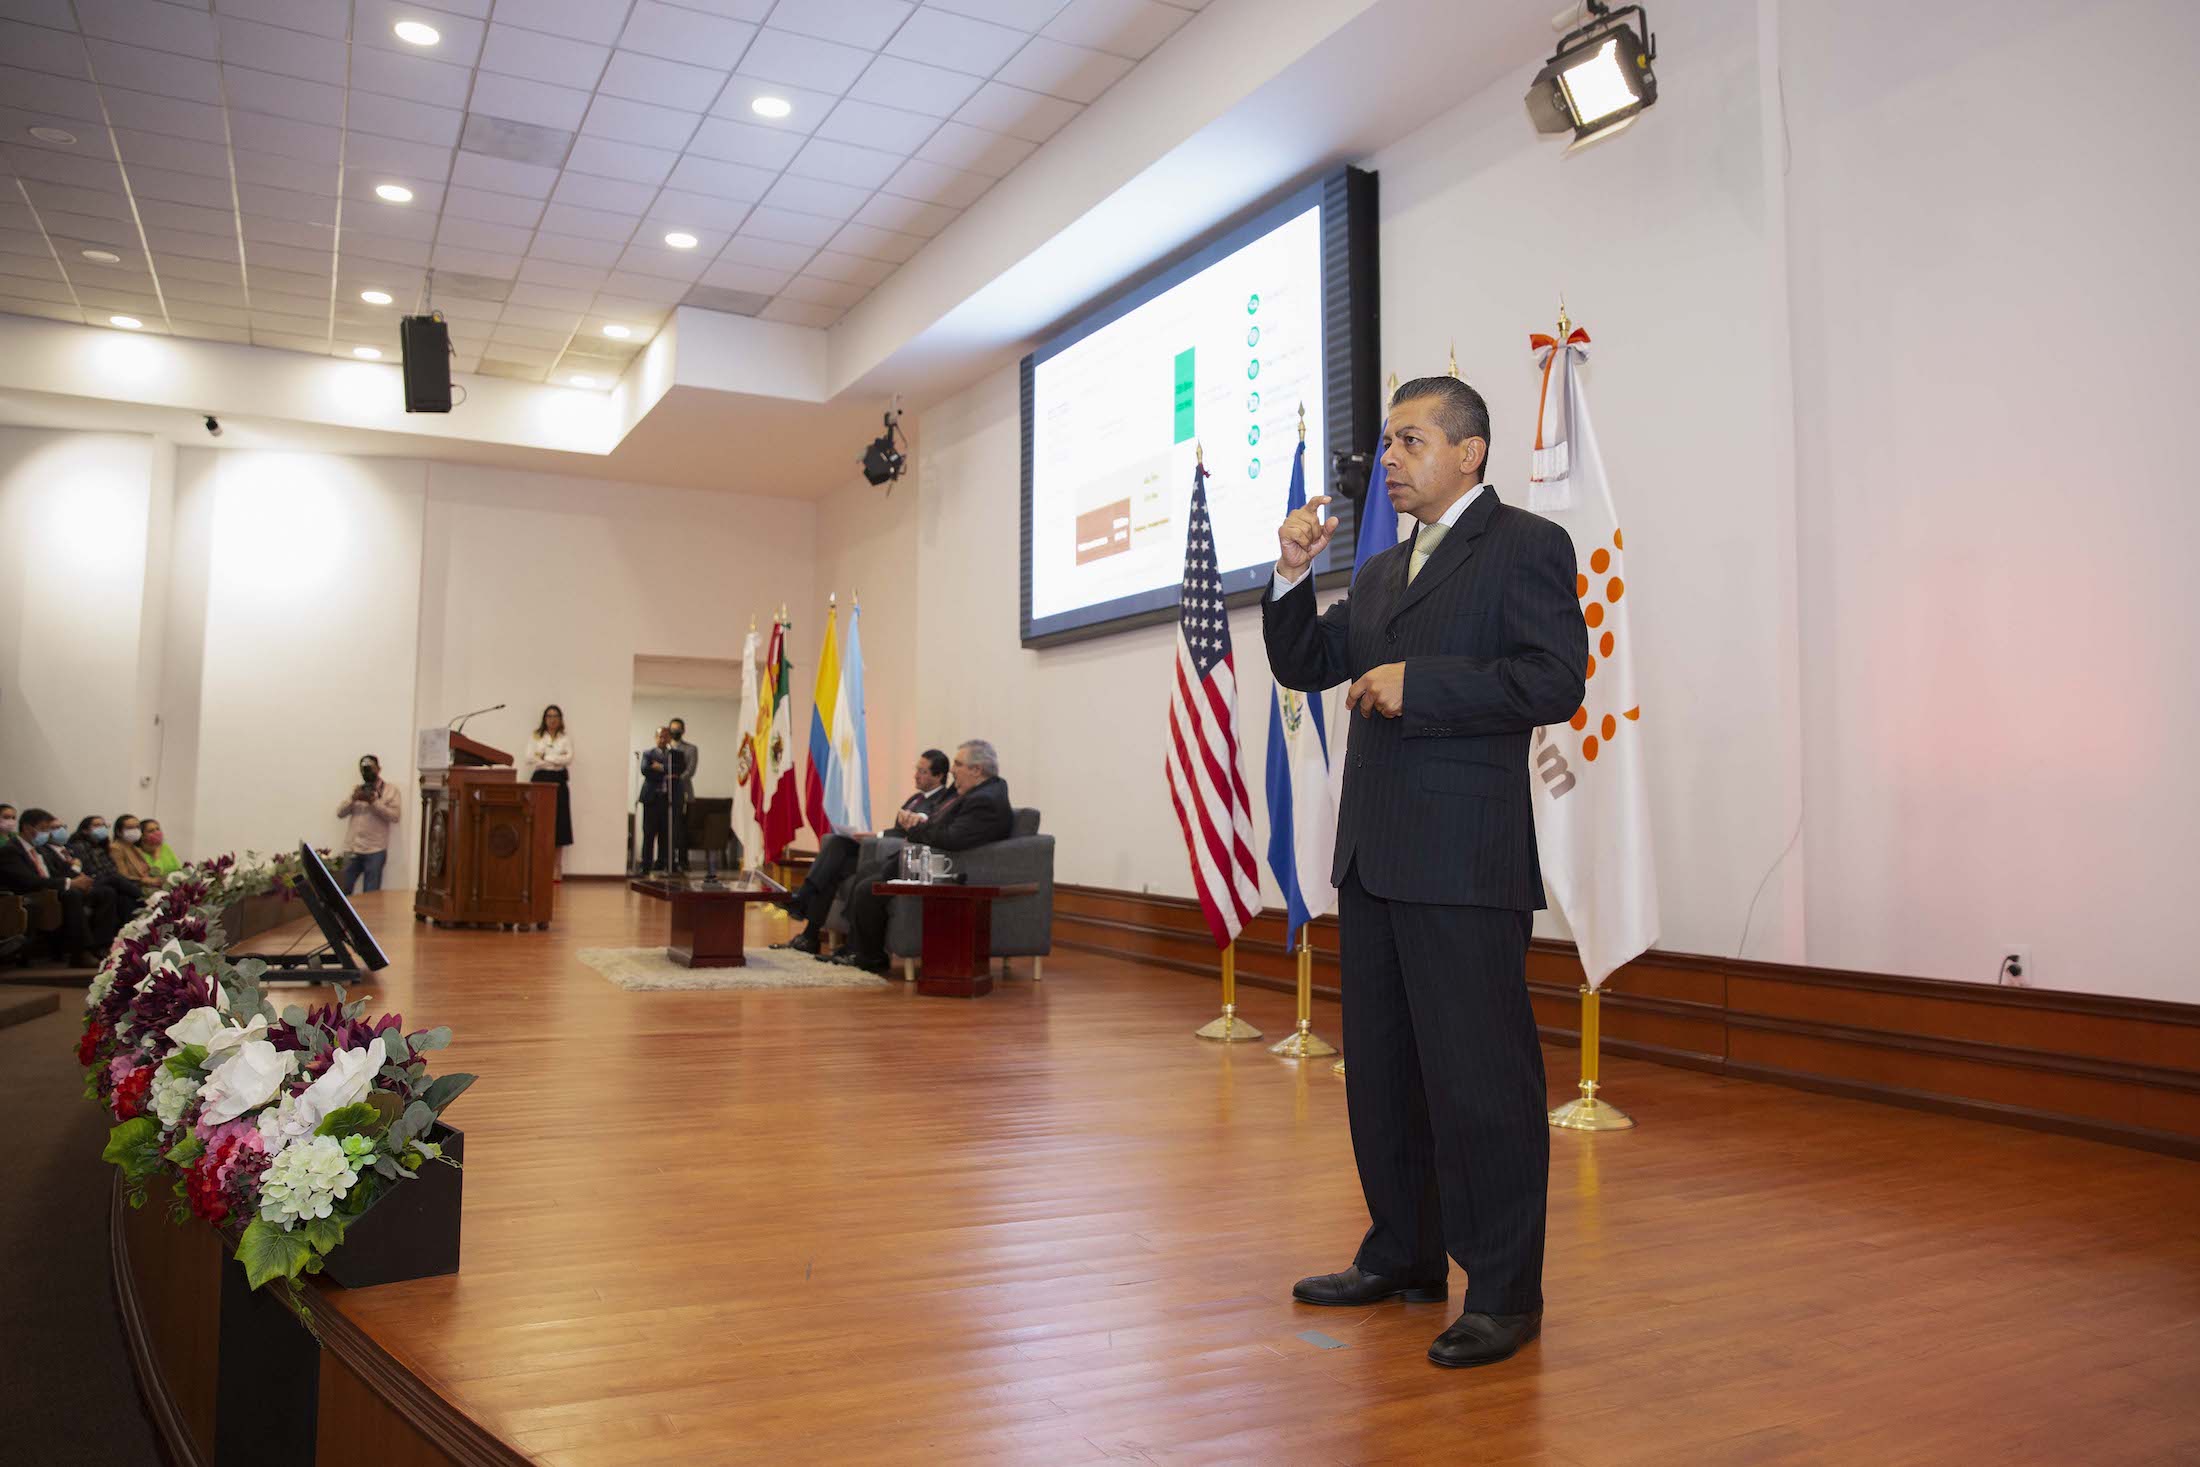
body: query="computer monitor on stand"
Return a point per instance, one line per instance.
(348, 951)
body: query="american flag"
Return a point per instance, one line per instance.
(1206, 777)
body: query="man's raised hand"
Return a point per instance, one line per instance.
(1303, 536)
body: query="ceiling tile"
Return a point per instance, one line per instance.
(476, 234)
(321, 17)
(283, 51)
(573, 301)
(158, 214)
(668, 83)
(60, 198)
(283, 96)
(478, 170)
(589, 223)
(514, 51)
(935, 184)
(209, 331)
(47, 95)
(732, 275)
(660, 263)
(1062, 70)
(801, 313)
(815, 196)
(538, 271)
(1019, 113)
(395, 158)
(957, 42)
(573, 250)
(374, 24)
(851, 269)
(526, 101)
(38, 49)
(534, 340)
(736, 181)
(1127, 27)
(259, 258)
(658, 288)
(394, 117)
(626, 161)
(197, 189)
(877, 244)
(736, 142)
(265, 133)
(1027, 15)
(285, 203)
(117, 234)
(974, 150)
(259, 229)
(192, 268)
(685, 35)
(616, 195)
(771, 254)
(75, 170)
(494, 265)
(678, 209)
(413, 77)
(178, 29)
(490, 207)
(640, 315)
(738, 103)
(905, 216)
(581, 20)
(366, 247)
(276, 172)
(166, 242)
(804, 61)
(139, 70)
(914, 86)
(845, 163)
(23, 287)
(181, 155)
(891, 129)
(166, 116)
(640, 122)
(866, 23)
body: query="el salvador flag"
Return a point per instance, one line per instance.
(1378, 521)
(1302, 795)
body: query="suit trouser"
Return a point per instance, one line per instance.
(813, 899)
(656, 849)
(1446, 1094)
(867, 911)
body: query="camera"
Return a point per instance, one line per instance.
(213, 426)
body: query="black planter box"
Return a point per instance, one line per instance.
(267, 1383)
(411, 1232)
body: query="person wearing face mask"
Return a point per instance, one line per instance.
(372, 810)
(90, 845)
(30, 863)
(160, 855)
(128, 853)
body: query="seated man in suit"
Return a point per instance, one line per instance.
(977, 814)
(88, 920)
(835, 865)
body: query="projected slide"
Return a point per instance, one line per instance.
(1221, 359)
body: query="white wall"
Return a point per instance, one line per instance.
(79, 513)
(713, 726)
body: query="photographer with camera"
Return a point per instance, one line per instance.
(372, 809)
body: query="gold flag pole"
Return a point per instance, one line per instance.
(1454, 353)
(1229, 1028)
(1304, 1043)
(1590, 1113)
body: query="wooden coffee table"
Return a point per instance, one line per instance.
(707, 921)
(958, 933)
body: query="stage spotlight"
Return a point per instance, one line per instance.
(884, 460)
(1600, 80)
(213, 426)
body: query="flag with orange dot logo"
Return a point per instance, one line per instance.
(1592, 797)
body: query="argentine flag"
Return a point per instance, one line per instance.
(848, 776)
(1302, 787)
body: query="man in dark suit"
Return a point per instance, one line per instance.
(662, 767)
(31, 862)
(976, 814)
(1458, 644)
(836, 855)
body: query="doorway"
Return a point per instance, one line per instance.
(705, 694)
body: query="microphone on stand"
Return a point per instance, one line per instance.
(458, 724)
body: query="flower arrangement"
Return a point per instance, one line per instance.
(282, 1130)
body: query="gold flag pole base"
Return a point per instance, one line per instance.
(1303, 1043)
(1590, 1113)
(1337, 1069)
(1230, 1029)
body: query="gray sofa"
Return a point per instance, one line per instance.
(1023, 927)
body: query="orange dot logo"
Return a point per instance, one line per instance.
(1581, 586)
(1596, 731)
(1589, 748)
(1611, 726)
(1601, 561)
(1614, 589)
(1592, 672)
(1580, 720)
(1617, 542)
(1605, 646)
(1594, 615)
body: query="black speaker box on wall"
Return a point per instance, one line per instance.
(427, 346)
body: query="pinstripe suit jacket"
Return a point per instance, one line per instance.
(1436, 801)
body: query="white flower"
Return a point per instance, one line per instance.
(246, 1080)
(281, 1123)
(103, 983)
(349, 1076)
(197, 1027)
(305, 1180)
(228, 1038)
(171, 1093)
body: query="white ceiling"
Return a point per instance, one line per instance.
(227, 153)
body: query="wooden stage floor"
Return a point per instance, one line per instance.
(1050, 1226)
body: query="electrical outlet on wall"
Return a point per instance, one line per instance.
(2016, 970)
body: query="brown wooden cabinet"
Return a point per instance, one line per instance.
(488, 844)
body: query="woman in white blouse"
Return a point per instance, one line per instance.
(549, 753)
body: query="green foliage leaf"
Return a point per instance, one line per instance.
(446, 1089)
(390, 1106)
(186, 1151)
(185, 1060)
(357, 1119)
(417, 1118)
(315, 1039)
(295, 1017)
(135, 1147)
(267, 1252)
(325, 1234)
(437, 1038)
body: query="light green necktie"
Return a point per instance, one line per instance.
(1424, 546)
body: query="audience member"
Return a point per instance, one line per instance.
(372, 810)
(662, 767)
(90, 847)
(977, 814)
(160, 855)
(834, 868)
(128, 853)
(30, 863)
(550, 755)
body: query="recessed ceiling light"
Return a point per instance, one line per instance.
(417, 33)
(103, 257)
(395, 193)
(54, 135)
(367, 353)
(127, 323)
(375, 297)
(771, 107)
(680, 239)
(582, 381)
(619, 331)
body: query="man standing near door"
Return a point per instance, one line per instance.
(683, 790)
(1458, 644)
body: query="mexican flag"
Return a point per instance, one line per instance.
(781, 812)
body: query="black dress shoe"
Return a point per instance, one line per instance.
(1352, 1287)
(801, 942)
(850, 959)
(1484, 1339)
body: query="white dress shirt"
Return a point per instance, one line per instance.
(550, 751)
(1282, 583)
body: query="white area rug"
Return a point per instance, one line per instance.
(645, 969)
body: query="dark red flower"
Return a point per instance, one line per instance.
(87, 1048)
(129, 1096)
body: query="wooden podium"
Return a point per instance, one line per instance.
(488, 844)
